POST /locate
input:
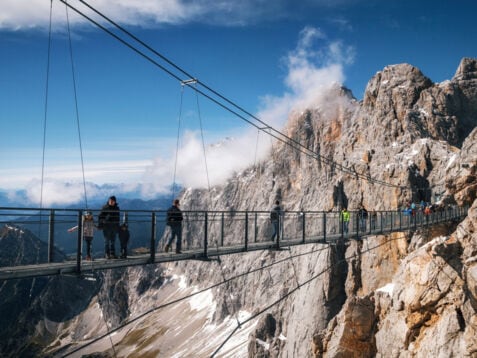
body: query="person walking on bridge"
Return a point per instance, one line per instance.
(275, 218)
(109, 222)
(344, 219)
(174, 221)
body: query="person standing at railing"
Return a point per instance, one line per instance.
(344, 219)
(109, 222)
(88, 232)
(174, 221)
(363, 217)
(275, 218)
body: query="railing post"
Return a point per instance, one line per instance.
(255, 229)
(206, 224)
(78, 243)
(324, 226)
(246, 231)
(357, 225)
(222, 230)
(51, 237)
(279, 230)
(303, 237)
(400, 220)
(381, 220)
(152, 246)
(392, 221)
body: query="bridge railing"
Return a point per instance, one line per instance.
(21, 228)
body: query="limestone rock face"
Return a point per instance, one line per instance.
(396, 295)
(403, 295)
(462, 172)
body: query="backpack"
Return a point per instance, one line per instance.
(274, 214)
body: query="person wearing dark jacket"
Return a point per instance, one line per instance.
(174, 221)
(275, 218)
(109, 222)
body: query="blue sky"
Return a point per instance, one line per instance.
(269, 57)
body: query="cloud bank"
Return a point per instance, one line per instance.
(33, 14)
(313, 67)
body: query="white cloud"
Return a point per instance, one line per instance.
(312, 71)
(21, 14)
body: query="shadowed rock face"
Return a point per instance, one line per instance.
(26, 303)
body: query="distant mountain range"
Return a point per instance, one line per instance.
(139, 223)
(127, 201)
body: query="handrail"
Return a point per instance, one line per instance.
(205, 233)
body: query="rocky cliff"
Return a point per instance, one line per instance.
(407, 294)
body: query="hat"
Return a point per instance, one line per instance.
(87, 213)
(112, 198)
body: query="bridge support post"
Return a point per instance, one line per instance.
(222, 230)
(51, 237)
(324, 226)
(303, 234)
(400, 220)
(255, 229)
(152, 247)
(246, 231)
(206, 224)
(78, 242)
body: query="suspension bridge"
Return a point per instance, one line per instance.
(207, 235)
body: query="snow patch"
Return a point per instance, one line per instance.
(265, 345)
(424, 112)
(451, 161)
(282, 337)
(388, 288)
(202, 301)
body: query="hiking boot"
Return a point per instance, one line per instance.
(178, 252)
(166, 248)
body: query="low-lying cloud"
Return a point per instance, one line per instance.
(314, 67)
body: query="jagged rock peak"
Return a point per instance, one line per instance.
(467, 69)
(401, 76)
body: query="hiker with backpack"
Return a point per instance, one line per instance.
(174, 221)
(275, 218)
(108, 221)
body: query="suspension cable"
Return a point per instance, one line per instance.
(40, 224)
(180, 299)
(177, 143)
(260, 125)
(203, 143)
(292, 291)
(76, 106)
(45, 117)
